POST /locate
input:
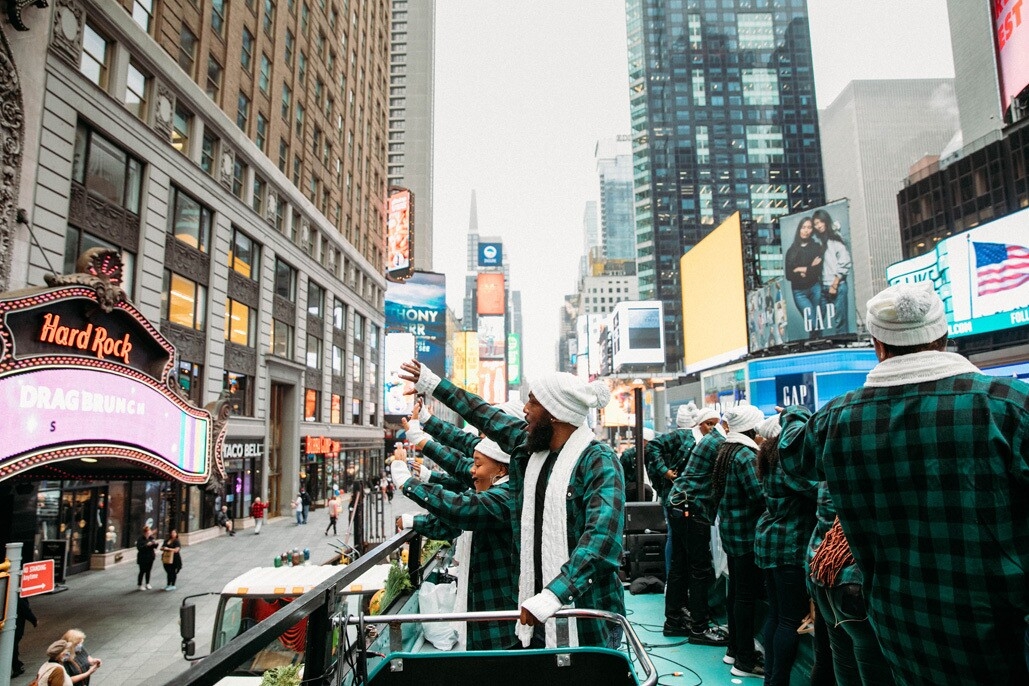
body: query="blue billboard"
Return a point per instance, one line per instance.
(419, 306)
(491, 254)
(982, 275)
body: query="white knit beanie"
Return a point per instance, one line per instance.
(686, 417)
(906, 314)
(491, 450)
(706, 413)
(770, 428)
(515, 408)
(743, 418)
(568, 398)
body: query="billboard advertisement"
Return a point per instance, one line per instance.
(399, 234)
(489, 294)
(400, 347)
(492, 338)
(589, 356)
(493, 381)
(514, 359)
(766, 316)
(982, 275)
(419, 306)
(712, 272)
(491, 254)
(1012, 43)
(466, 361)
(819, 283)
(637, 334)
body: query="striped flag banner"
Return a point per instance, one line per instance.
(1000, 267)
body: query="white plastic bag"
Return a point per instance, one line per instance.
(718, 556)
(438, 599)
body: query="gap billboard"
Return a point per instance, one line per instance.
(419, 306)
(819, 284)
(982, 275)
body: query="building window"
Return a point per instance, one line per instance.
(190, 221)
(373, 336)
(768, 201)
(187, 49)
(247, 56)
(214, 78)
(314, 352)
(336, 409)
(261, 133)
(707, 207)
(288, 50)
(760, 86)
(282, 339)
(239, 171)
(243, 112)
(269, 17)
(287, 102)
(244, 255)
(285, 281)
(296, 172)
(77, 242)
(312, 405)
(358, 327)
(357, 368)
(355, 405)
(95, 55)
(302, 68)
(699, 92)
(258, 198)
(240, 391)
(264, 78)
(143, 13)
(339, 315)
(218, 16)
(280, 213)
(283, 155)
(137, 88)
(106, 171)
(183, 302)
(765, 144)
(182, 127)
(190, 376)
(703, 146)
(240, 323)
(315, 299)
(755, 31)
(300, 122)
(337, 361)
(305, 18)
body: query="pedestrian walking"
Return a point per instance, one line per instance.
(24, 615)
(80, 665)
(298, 508)
(171, 558)
(146, 545)
(305, 504)
(334, 509)
(257, 509)
(51, 672)
(927, 466)
(223, 520)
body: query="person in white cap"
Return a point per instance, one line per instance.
(739, 503)
(485, 547)
(569, 498)
(928, 467)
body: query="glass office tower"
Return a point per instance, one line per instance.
(723, 119)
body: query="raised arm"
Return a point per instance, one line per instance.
(453, 463)
(469, 511)
(450, 435)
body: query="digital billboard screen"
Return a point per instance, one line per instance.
(766, 316)
(644, 328)
(400, 348)
(982, 275)
(399, 233)
(492, 338)
(491, 254)
(419, 307)
(817, 264)
(1012, 44)
(466, 360)
(489, 293)
(514, 359)
(493, 381)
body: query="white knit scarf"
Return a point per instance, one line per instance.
(554, 542)
(931, 365)
(742, 439)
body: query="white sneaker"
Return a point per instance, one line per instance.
(142, 587)
(148, 587)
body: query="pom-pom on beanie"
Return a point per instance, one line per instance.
(906, 314)
(568, 398)
(686, 416)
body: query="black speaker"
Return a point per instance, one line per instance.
(644, 518)
(644, 556)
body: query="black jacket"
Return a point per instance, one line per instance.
(145, 547)
(802, 256)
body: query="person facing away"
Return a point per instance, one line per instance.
(928, 467)
(171, 558)
(52, 672)
(80, 666)
(334, 508)
(257, 509)
(146, 544)
(568, 496)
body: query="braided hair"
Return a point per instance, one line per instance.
(832, 556)
(767, 458)
(720, 471)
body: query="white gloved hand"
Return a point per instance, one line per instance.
(400, 473)
(407, 521)
(427, 381)
(543, 605)
(418, 438)
(424, 473)
(424, 415)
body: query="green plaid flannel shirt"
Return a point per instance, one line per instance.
(493, 572)
(451, 436)
(695, 480)
(457, 469)
(667, 452)
(784, 528)
(930, 481)
(742, 503)
(596, 510)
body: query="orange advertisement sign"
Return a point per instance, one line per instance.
(490, 293)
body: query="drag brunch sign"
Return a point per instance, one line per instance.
(78, 382)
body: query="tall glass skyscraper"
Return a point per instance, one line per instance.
(614, 170)
(723, 119)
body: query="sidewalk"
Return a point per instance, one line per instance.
(136, 633)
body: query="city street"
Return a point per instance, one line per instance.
(136, 633)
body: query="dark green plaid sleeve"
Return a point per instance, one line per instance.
(696, 478)
(451, 436)
(507, 431)
(468, 510)
(448, 482)
(784, 529)
(742, 504)
(663, 454)
(432, 527)
(451, 461)
(598, 478)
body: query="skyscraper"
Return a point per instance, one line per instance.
(975, 69)
(723, 113)
(617, 224)
(411, 98)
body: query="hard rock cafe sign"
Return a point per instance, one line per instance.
(85, 377)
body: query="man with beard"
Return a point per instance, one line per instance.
(568, 501)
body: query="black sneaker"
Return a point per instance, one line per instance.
(708, 636)
(753, 669)
(676, 627)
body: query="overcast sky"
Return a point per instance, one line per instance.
(525, 89)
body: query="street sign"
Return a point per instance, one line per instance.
(37, 578)
(57, 550)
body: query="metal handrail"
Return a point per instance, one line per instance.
(244, 647)
(631, 639)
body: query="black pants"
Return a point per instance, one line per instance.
(332, 525)
(676, 590)
(744, 587)
(857, 658)
(144, 572)
(172, 571)
(702, 569)
(787, 607)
